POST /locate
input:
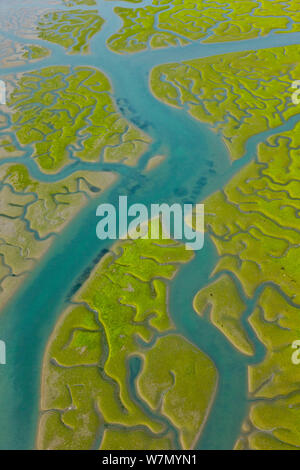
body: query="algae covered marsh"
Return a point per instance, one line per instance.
(239, 95)
(117, 314)
(79, 120)
(71, 29)
(142, 344)
(166, 23)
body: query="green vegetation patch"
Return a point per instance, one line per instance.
(178, 22)
(254, 224)
(7, 147)
(35, 52)
(273, 421)
(63, 113)
(239, 94)
(254, 221)
(126, 295)
(120, 439)
(182, 385)
(32, 211)
(71, 29)
(72, 3)
(226, 310)
(54, 204)
(13, 53)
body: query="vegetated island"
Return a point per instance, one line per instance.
(120, 317)
(239, 94)
(55, 124)
(66, 114)
(253, 222)
(168, 23)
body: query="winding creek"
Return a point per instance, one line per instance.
(197, 165)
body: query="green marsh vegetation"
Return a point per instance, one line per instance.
(121, 312)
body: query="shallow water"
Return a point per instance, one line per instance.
(193, 150)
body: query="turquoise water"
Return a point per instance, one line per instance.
(197, 164)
